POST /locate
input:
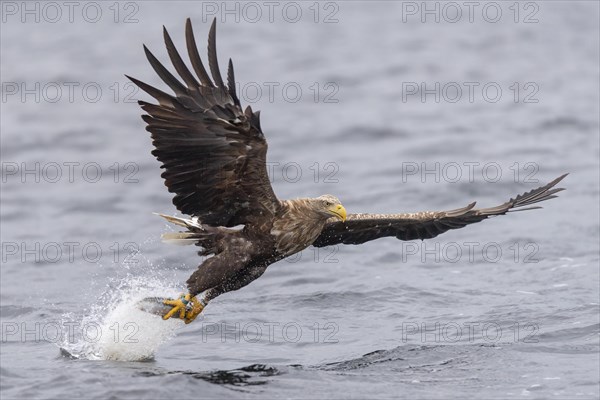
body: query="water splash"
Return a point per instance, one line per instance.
(115, 329)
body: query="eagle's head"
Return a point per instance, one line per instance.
(330, 206)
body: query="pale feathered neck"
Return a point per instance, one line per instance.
(303, 208)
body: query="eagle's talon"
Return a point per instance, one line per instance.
(186, 306)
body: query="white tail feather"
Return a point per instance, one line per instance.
(186, 223)
(179, 238)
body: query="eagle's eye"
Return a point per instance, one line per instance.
(327, 203)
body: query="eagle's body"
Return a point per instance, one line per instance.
(214, 156)
(244, 254)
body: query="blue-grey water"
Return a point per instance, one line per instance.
(375, 102)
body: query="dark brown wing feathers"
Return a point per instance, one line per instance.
(231, 84)
(213, 153)
(213, 63)
(195, 59)
(178, 63)
(361, 228)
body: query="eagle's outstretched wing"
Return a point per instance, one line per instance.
(213, 153)
(361, 228)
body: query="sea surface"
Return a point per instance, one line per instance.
(392, 107)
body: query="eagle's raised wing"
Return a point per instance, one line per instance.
(213, 153)
(361, 228)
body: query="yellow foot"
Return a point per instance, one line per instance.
(185, 307)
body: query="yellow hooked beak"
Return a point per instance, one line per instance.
(339, 211)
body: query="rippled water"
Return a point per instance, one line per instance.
(505, 308)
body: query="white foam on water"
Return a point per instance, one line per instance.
(116, 329)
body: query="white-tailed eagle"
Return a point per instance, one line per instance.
(213, 154)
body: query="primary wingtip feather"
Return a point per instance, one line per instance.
(162, 97)
(164, 73)
(231, 84)
(194, 56)
(177, 61)
(213, 62)
(542, 193)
